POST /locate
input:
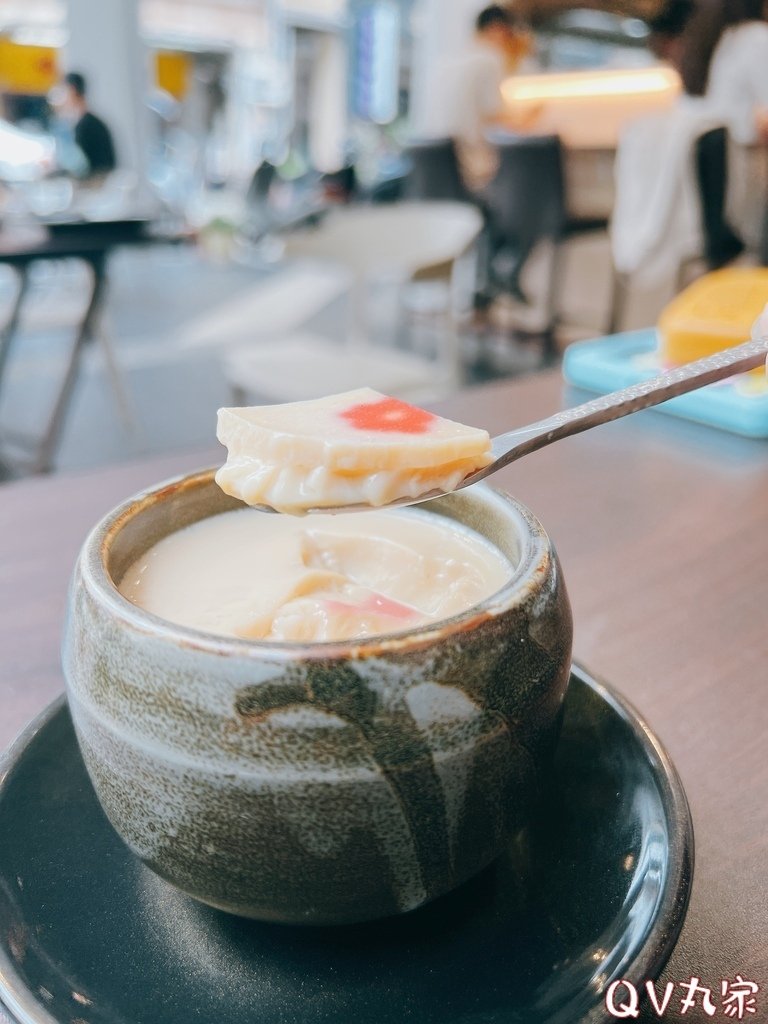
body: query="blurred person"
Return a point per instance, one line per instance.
(471, 94)
(726, 61)
(92, 136)
(667, 31)
(720, 49)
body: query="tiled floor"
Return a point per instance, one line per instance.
(170, 314)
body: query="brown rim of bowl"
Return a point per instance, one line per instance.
(534, 556)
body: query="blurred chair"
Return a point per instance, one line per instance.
(526, 204)
(400, 241)
(714, 243)
(433, 171)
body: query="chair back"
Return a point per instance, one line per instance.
(399, 239)
(526, 198)
(433, 171)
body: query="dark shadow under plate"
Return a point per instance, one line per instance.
(595, 889)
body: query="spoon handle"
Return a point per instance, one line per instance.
(509, 447)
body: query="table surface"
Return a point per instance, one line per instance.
(28, 243)
(662, 529)
(79, 239)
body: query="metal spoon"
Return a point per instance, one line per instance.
(509, 447)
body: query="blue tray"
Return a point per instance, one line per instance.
(739, 404)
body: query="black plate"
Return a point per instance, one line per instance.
(595, 889)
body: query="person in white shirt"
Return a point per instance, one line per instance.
(720, 48)
(738, 81)
(471, 93)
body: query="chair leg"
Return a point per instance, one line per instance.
(556, 268)
(483, 288)
(46, 451)
(680, 276)
(619, 295)
(117, 381)
(549, 352)
(9, 329)
(449, 353)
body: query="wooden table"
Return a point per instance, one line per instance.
(662, 528)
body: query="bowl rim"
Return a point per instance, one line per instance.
(536, 558)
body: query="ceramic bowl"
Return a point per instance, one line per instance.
(316, 783)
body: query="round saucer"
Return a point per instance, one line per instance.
(594, 890)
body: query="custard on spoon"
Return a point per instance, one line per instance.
(356, 448)
(361, 449)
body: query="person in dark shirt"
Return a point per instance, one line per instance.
(92, 136)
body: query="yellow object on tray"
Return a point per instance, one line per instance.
(715, 312)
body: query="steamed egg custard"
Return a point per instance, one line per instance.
(359, 447)
(284, 579)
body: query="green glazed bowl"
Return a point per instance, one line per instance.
(316, 783)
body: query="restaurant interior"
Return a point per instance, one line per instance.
(264, 151)
(515, 223)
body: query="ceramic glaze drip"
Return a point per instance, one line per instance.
(332, 578)
(328, 784)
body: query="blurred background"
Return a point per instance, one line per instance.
(208, 202)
